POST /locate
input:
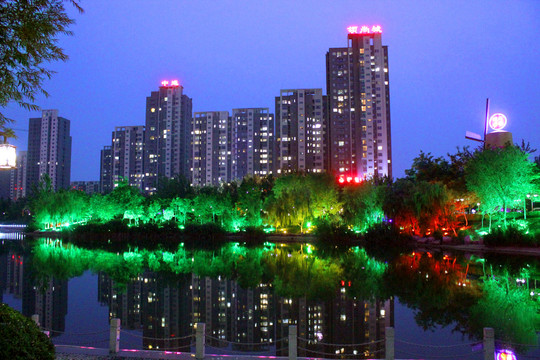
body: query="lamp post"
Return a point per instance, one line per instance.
(8, 156)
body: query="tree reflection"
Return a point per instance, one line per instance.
(443, 289)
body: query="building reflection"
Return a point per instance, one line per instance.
(48, 299)
(244, 320)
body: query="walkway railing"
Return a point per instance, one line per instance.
(295, 343)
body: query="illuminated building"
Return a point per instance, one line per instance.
(358, 131)
(127, 155)
(49, 150)
(105, 170)
(300, 115)
(18, 177)
(89, 187)
(252, 139)
(168, 135)
(211, 151)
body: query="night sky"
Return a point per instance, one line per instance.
(445, 59)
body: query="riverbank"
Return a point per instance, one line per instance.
(427, 243)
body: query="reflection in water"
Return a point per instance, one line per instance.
(249, 296)
(47, 299)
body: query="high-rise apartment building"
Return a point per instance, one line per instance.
(49, 150)
(88, 187)
(299, 145)
(252, 142)
(211, 148)
(358, 131)
(127, 155)
(105, 170)
(168, 134)
(18, 177)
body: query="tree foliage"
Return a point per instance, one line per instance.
(501, 176)
(30, 32)
(20, 338)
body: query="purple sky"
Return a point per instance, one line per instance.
(445, 59)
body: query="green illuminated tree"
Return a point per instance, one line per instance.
(29, 40)
(324, 197)
(290, 204)
(181, 208)
(503, 175)
(363, 205)
(249, 202)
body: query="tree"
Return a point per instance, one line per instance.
(20, 338)
(501, 174)
(29, 39)
(249, 202)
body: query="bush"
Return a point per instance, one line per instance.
(332, 239)
(20, 338)
(204, 236)
(511, 236)
(253, 236)
(438, 234)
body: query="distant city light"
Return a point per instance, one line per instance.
(497, 121)
(364, 29)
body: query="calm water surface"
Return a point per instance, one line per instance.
(438, 303)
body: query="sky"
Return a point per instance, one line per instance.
(445, 58)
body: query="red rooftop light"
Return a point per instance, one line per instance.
(172, 82)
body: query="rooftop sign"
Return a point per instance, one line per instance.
(364, 29)
(172, 83)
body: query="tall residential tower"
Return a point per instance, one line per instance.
(168, 133)
(49, 150)
(211, 148)
(252, 142)
(300, 118)
(358, 131)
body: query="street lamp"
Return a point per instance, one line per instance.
(8, 156)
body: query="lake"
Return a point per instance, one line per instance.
(342, 300)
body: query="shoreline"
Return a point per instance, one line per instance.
(420, 243)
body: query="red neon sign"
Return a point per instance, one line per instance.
(497, 121)
(364, 29)
(347, 179)
(172, 82)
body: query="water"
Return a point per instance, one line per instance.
(248, 297)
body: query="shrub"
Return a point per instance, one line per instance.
(20, 338)
(438, 234)
(511, 236)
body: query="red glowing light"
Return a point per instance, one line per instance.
(174, 83)
(164, 83)
(341, 180)
(342, 283)
(364, 29)
(352, 29)
(497, 121)
(357, 180)
(349, 179)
